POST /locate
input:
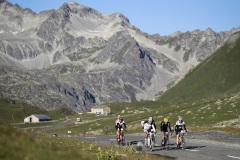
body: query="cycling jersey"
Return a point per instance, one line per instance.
(148, 127)
(153, 123)
(180, 125)
(164, 126)
(119, 125)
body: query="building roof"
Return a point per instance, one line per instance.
(100, 107)
(41, 116)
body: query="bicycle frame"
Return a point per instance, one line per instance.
(121, 138)
(181, 139)
(166, 139)
(151, 140)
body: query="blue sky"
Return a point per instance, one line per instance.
(159, 16)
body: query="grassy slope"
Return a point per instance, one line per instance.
(18, 145)
(15, 113)
(15, 144)
(219, 75)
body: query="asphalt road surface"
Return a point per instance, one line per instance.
(196, 149)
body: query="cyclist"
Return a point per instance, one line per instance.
(180, 125)
(148, 126)
(116, 121)
(165, 125)
(120, 126)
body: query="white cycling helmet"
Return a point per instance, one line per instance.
(179, 118)
(150, 119)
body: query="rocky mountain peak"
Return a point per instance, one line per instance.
(80, 10)
(209, 31)
(9, 8)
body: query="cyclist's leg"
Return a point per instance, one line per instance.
(150, 139)
(146, 137)
(122, 137)
(118, 137)
(117, 134)
(122, 134)
(177, 138)
(162, 138)
(165, 139)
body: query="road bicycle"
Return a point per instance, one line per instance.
(166, 140)
(121, 137)
(181, 139)
(151, 140)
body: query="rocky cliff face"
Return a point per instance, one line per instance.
(76, 57)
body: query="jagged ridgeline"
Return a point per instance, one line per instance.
(77, 57)
(217, 78)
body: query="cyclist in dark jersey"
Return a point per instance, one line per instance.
(164, 126)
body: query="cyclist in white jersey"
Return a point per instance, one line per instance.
(120, 126)
(180, 125)
(148, 126)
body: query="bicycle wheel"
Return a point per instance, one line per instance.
(148, 146)
(183, 142)
(167, 142)
(179, 141)
(118, 143)
(151, 144)
(123, 140)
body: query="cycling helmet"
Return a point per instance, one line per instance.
(150, 119)
(119, 116)
(179, 118)
(165, 120)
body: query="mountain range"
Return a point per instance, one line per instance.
(77, 57)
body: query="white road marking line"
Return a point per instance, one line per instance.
(193, 150)
(112, 139)
(233, 157)
(90, 137)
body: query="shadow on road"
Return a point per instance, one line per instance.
(171, 146)
(194, 147)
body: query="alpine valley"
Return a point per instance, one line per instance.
(77, 57)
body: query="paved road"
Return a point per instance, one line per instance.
(195, 149)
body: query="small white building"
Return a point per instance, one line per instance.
(78, 119)
(36, 118)
(101, 110)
